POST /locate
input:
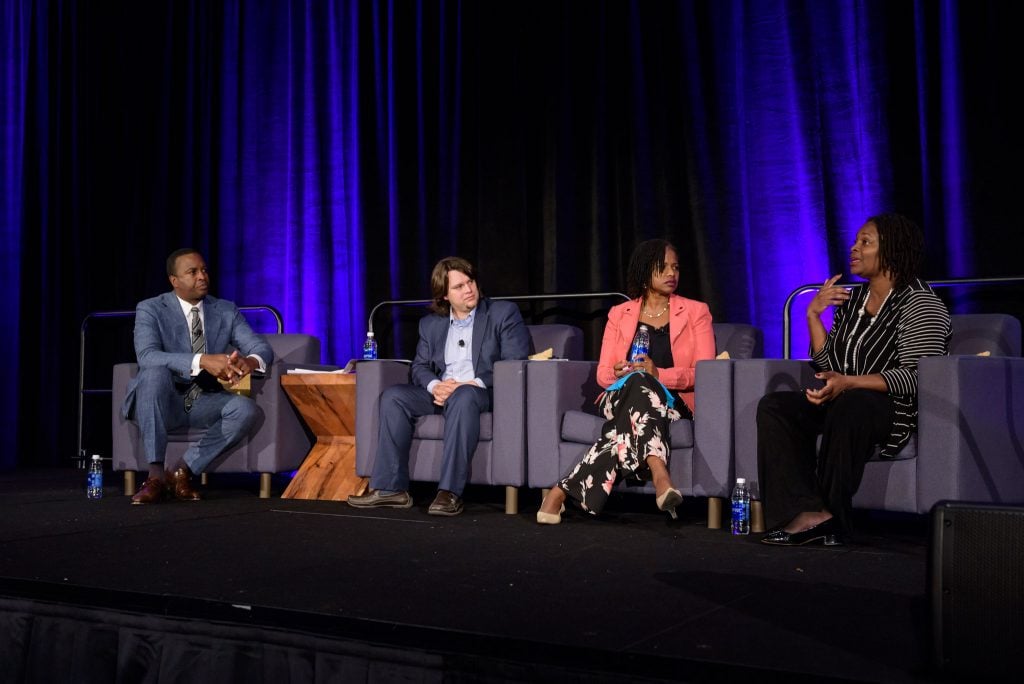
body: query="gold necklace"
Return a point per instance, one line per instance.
(657, 315)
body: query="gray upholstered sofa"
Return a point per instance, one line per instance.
(562, 419)
(500, 457)
(968, 445)
(278, 444)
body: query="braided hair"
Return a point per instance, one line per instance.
(900, 247)
(647, 259)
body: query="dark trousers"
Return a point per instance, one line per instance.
(160, 408)
(400, 406)
(795, 474)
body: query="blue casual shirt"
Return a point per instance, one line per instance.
(458, 352)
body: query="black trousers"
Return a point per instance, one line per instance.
(794, 474)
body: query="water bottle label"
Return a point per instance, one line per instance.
(94, 486)
(641, 344)
(740, 517)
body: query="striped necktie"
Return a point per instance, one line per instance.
(198, 347)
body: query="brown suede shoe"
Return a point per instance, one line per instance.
(179, 486)
(152, 490)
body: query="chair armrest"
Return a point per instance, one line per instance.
(713, 442)
(509, 423)
(295, 348)
(281, 442)
(552, 388)
(123, 432)
(970, 429)
(122, 375)
(372, 378)
(752, 379)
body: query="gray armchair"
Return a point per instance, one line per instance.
(278, 444)
(970, 421)
(500, 457)
(563, 423)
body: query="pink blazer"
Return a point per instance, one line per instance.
(693, 340)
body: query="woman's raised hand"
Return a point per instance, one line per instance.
(828, 295)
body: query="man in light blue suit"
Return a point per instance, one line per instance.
(181, 342)
(452, 374)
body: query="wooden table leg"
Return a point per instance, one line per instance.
(326, 402)
(329, 472)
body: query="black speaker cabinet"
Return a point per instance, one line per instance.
(976, 577)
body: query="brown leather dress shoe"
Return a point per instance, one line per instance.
(180, 487)
(445, 503)
(151, 491)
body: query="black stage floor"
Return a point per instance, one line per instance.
(630, 595)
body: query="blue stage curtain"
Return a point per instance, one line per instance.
(15, 56)
(323, 155)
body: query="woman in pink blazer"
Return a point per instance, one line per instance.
(644, 395)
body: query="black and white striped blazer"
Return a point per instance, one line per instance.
(912, 323)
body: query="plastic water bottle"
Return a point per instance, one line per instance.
(370, 346)
(740, 507)
(641, 344)
(94, 483)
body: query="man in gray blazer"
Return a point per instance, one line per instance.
(452, 374)
(181, 340)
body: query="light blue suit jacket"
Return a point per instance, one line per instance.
(499, 334)
(163, 338)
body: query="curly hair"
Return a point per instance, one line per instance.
(439, 282)
(900, 247)
(647, 259)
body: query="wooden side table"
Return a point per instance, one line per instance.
(327, 404)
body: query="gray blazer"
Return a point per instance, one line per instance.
(163, 338)
(499, 334)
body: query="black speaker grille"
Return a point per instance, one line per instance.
(981, 585)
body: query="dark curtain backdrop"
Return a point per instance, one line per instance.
(325, 154)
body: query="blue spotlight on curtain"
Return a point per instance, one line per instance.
(289, 146)
(14, 58)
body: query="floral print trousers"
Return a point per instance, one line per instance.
(636, 426)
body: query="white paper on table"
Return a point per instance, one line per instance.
(311, 371)
(350, 367)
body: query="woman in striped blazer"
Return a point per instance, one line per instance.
(868, 364)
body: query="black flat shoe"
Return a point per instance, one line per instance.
(824, 533)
